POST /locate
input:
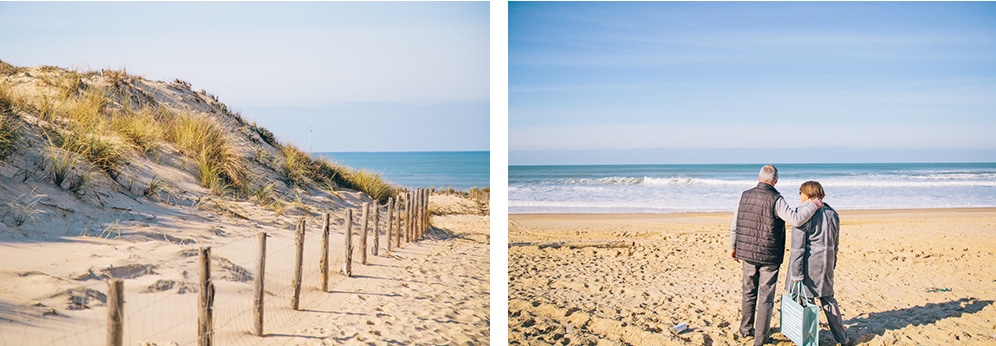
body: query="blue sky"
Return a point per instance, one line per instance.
(366, 76)
(736, 82)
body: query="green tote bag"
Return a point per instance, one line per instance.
(800, 319)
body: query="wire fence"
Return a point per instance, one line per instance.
(233, 303)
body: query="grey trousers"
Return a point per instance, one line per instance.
(758, 300)
(830, 309)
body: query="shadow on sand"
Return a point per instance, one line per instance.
(864, 327)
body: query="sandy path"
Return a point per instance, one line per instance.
(432, 292)
(904, 277)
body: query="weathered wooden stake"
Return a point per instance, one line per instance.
(376, 227)
(398, 230)
(421, 214)
(205, 317)
(409, 216)
(390, 223)
(416, 212)
(258, 298)
(398, 220)
(414, 215)
(323, 264)
(428, 216)
(115, 312)
(363, 239)
(348, 265)
(298, 261)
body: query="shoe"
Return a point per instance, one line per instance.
(770, 340)
(848, 342)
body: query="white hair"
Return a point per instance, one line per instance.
(768, 174)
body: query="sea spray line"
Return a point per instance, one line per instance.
(914, 181)
(690, 188)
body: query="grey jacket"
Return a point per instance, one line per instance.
(813, 254)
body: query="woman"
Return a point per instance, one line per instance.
(814, 256)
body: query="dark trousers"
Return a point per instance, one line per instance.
(830, 309)
(758, 300)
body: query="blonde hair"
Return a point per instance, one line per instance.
(812, 189)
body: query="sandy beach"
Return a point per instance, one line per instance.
(909, 277)
(434, 291)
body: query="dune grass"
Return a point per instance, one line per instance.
(105, 133)
(85, 129)
(7, 69)
(140, 127)
(23, 208)
(203, 139)
(371, 183)
(68, 169)
(106, 152)
(297, 166)
(8, 136)
(300, 168)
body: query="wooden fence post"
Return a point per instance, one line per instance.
(421, 213)
(348, 265)
(397, 221)
(424, 220)
(298, 261)
(205, 318)
(363, 239)
(323, 264)
(415, 213)
(258, 298)
(428, 215)
(390, 223)
(115, 312)
(375, 209)
(409, 216)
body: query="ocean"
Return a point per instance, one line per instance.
(717, 187)
(460, 170)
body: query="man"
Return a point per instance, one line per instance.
(757, 236)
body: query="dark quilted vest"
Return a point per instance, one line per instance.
(760, 232)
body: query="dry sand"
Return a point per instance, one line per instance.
(435, 291)
(909, 277)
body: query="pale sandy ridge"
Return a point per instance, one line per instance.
(903, 277)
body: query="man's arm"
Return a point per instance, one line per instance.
(795, 216)
(733, 230)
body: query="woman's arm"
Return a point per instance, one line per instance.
(796, 253)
